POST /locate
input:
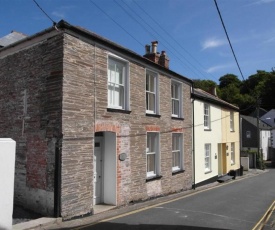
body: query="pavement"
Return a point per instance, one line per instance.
(110, 212)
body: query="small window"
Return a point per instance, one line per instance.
(206, 116)
(176, 99)
(151, 92)
(248, 134)
(232, 153)
(177, 156)
(231, 121)
(207, 157)
(117, 84)
(152, 154)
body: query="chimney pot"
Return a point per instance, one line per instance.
(147, 49)
(154, 46)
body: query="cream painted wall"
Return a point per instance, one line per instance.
(203, 137)
(229, 136)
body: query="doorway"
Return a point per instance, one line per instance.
(105, 168)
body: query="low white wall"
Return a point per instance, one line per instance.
(7, 165)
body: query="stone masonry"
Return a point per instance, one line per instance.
(54, 93)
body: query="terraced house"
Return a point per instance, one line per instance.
(94, 122)
(216, 137)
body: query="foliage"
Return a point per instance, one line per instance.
(257, 88)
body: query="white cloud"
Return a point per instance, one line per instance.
(270, 40)
(58, 14)
(259, 2)
(212, 43)
(216, 68)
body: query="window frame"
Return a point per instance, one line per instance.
(125, 104)
(208, 126)
(179, 149)
(156, 152)
(232, 121)
(155, 92)
(178, 88)
(207, 158)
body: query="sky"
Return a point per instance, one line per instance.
(190, 31)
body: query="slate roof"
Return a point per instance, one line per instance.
(253, 121)
(201, 94)
(93, 37)
(11, 38)
(269, 118)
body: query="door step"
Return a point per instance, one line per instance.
(224, 178)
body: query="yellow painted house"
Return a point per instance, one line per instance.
(229, 154)
(216, 139)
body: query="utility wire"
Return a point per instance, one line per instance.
(126, 11)
(54, 23)
(116, 22)
(228, 38)
(171, 37)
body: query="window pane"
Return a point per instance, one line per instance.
(151, 163)
(150, 101)
(176, 159)
(175, 107)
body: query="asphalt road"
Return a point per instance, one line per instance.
(238, 205)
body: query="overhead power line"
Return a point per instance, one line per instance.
(150, 32)
(228, 39)
(171, 37)
(116, 22)
(54, 23)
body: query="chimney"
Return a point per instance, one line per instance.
(153, 55)
(161, 59)
(164, 60)
(213, 91)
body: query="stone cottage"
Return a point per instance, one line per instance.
(93, 121)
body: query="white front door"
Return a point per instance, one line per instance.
(97, 171)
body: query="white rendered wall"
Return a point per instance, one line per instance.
(203, 137)
(7, 165)
(265, 135)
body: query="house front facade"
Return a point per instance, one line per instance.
(252, 140)
(216, 137)
(94, 122)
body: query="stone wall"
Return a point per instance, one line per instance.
(85, 88)
(30, 111)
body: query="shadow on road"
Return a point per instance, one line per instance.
(120, 226)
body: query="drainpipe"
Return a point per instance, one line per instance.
(57, 180)
(193, 146)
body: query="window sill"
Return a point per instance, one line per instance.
(178, 172)
(208, 172)
(152, 115)
(207, 129)
(232, 131)
(118, 110)
(157, 177)
(177, 118)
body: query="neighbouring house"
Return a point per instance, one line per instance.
(93, 121)
(11, 38)
(216, 137)
(269, 118)
(251, 140)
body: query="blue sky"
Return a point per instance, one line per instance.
(190, 31)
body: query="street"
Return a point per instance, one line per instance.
(237, 205)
